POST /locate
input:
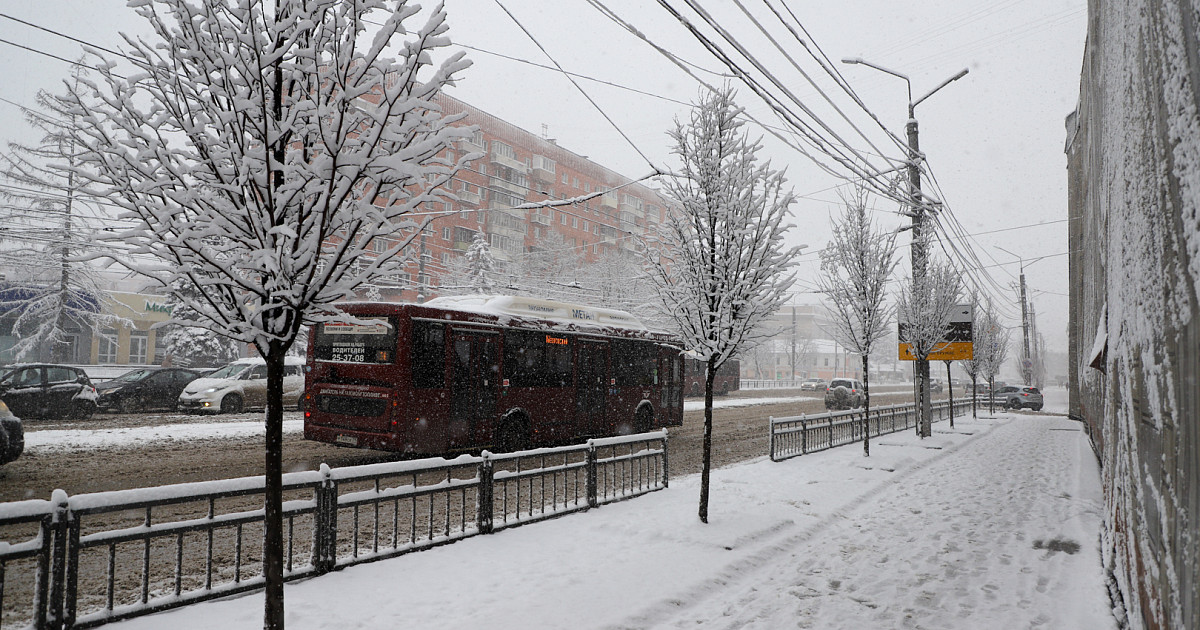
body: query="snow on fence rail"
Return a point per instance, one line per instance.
(797, 435)
(86, 560)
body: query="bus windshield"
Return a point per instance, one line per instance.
(373, 342)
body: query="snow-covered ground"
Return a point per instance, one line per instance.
(991, 525)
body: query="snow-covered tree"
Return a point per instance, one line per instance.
(924, 311)
(972, 366)
(261, 151)
(719, 261)
(51, 293)
(855, 268)
(619, 280)
(481, 267)
(192, 346)
(992, 341)
(552, 268)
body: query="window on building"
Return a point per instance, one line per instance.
(587, 187)
(562, 218)
(575, 222)
(585, 226)
(564, 178)
(139, 343)
(108, 347)
(596, 229)
(575, 182)
(445, 258)
(446, 234)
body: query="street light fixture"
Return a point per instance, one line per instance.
(919, 208)
(1026, 358)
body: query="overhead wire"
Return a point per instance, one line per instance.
(576, 84)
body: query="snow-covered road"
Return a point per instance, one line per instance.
(172, 430)
(993, 525)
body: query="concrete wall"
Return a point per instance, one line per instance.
(1133, 150)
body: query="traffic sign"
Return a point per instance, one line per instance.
(958, 345)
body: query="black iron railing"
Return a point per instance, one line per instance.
(798, 435)
(86, 560)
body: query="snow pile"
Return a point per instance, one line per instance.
(993, 525)
(140, 437)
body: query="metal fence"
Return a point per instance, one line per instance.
(797, 435)
(86, 560)
(766, 383)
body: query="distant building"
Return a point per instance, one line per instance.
(131, 341)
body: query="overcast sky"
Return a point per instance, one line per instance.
(994, 139)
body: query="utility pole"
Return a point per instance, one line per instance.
(421, 278)
(1026, 357)
(1026, 332)
(793, 377)
(917, 207)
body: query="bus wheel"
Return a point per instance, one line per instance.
(513, 435)
(644, 420)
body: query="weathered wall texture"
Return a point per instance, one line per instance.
(1134, 179)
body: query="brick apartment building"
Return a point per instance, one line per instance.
(520, 167)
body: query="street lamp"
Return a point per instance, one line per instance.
(1026, 358)
(918, 216)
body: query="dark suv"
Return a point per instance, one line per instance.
(39, 390)
(145, 388)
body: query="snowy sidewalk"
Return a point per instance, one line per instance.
(993, 525)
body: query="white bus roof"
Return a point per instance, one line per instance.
(558, 312)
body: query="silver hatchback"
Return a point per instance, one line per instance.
(1014, 397)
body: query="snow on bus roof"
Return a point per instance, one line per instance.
(558, 312)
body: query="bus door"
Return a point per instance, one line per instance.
(670, 380)
(591, 388)
(476, 372)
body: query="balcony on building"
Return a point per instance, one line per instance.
(468, 196)
(504, 155)
(608, 200)
(543, 169)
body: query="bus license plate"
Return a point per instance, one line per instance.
(349, 440)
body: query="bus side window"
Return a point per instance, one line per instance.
(428, 355)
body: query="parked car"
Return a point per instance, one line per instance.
(812, 384)
(844, 393)
(145, 388)
(12, 435)
(41, 390)
(935, 385)
(1014, 397)
(241, 385)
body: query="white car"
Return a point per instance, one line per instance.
(241, 385)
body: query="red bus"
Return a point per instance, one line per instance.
(496, 372)
(728, 378)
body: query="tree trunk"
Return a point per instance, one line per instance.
(273, 495)
(926, 404)
(867, 407)
(974, 397)
(709, 373)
